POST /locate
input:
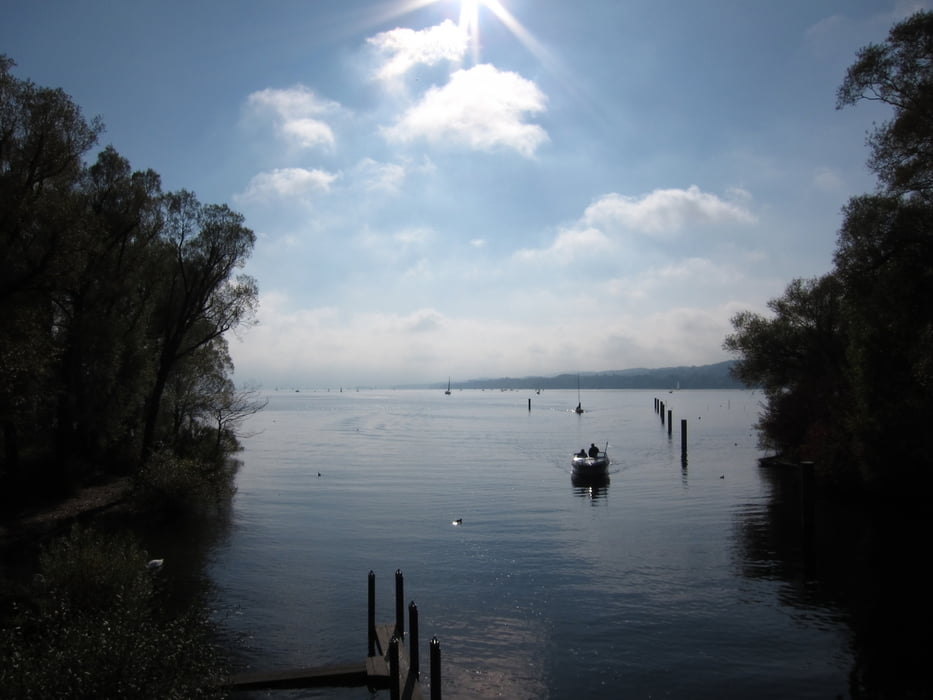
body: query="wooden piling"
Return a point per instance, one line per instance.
(670, 422)
(394, 669)
(435, 669)
(399, 604)
(662, 413)
(415, 667)
(371, 618)
(683, 440)
(386, 666)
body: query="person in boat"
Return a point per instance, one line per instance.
(581, 453)
(594, 451)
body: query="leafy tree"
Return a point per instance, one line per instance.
(884, 259)
(202, 299)
(846, 362)
(110, 292)
(798, 357)
(103, 308)
(43, 137)
(898, 73)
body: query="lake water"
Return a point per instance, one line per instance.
(669, 582)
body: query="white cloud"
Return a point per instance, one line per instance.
(610, 217)
(407, 48)
(381, 177)
(569, 245)
(482, 108)
(297, 111)
(286, 183)
(663, 211)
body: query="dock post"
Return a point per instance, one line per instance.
(662, 413)
(435, 669)
(399, 604)
(670, 422)
(683, 440)
(394, 671)
(529, 405)
(414, 664)
(371, 622)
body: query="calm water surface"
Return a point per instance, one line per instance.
(668, 582)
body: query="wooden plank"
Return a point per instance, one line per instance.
(373, 672)
(383, 637)
(377, 667)
(348, 675)
(410, 688)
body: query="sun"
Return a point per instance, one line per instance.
(469, 23)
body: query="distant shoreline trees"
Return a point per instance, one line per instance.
(846, 360)
(115, 298)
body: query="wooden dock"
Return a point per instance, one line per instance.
(387, 666)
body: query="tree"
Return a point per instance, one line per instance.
(43, 137)
(103, 308)
(898, 73)
(869, 408)
(798, 357)
(202, 298)
(110, 291)
(884, 260)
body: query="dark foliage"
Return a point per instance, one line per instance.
(115, 298)
(845, 361)
(92, 627)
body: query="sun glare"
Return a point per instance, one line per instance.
(470, 11)
(469, 22)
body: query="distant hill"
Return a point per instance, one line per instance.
(715, 376)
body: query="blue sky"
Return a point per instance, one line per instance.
(484, 189)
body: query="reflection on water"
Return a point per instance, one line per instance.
(591, 488)
(704, 580)
(500, 662)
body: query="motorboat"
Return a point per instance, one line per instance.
(589, 467)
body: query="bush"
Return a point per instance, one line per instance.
(171, 484)
(94, 630)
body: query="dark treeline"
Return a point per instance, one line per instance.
(846, 360)
(115, 297)
(715, 376)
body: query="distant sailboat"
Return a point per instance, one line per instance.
(579, 408)
(448, 387)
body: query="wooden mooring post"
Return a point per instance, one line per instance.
(387, 664)
(683, 441)
(660, 408)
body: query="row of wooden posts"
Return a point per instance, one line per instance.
(659, 408)
(392, 652)
(387, 664)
